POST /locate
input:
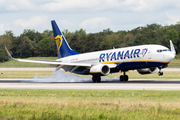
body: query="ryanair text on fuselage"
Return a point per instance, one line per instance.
(121, 55)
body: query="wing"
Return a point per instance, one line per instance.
(57, 64)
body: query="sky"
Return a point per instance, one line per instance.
(91, 15)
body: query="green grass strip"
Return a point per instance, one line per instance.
(88, 104)
(131, 74)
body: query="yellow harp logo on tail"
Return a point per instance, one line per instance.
(58, 40)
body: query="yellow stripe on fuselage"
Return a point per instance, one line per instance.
(95, 71)
(134, 61)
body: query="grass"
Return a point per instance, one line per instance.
(131, 74)
(88, 104)
(174, 64)
(16, 64)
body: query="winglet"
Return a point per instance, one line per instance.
(9, 55)
(172, 48)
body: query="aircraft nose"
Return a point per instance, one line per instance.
(170, 56)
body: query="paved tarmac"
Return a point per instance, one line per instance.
(114, 84)
(132, 84)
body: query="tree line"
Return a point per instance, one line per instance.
(35, 44)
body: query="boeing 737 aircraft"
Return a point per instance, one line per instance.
(146, 59)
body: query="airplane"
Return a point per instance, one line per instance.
(146, 59)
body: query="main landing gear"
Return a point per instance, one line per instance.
(124, 77)
(96, 78)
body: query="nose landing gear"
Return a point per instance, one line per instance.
(160, 73)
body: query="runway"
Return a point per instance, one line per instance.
(132, 84)
(109, 84)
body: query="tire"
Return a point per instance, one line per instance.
(96, 78)
(121, 78)
(126, 78)
(160, 73)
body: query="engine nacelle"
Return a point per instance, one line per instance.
(147, 70)
(102, 69)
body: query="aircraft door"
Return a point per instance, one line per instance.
(163, 56)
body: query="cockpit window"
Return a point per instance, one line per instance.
(163, 50)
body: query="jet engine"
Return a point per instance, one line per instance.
(103, 69)
(147, 70)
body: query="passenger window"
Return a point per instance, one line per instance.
(163, 50)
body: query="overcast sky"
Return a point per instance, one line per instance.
(91, 15)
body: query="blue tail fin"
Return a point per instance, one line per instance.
(63, 49)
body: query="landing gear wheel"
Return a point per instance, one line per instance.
(121, 78)
(93, 79)
(160, 73)
(96, 78)
(126, 78)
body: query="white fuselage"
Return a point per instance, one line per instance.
(142, 53)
